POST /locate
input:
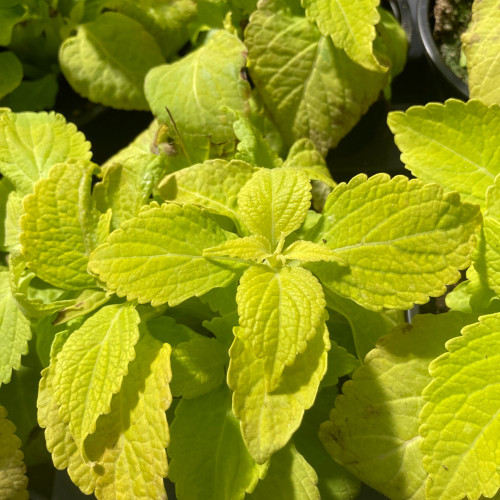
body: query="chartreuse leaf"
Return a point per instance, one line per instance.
(351, 26)
(252, 147)
(253, 247)
(273, 203)
(212, 85)
(268, 419)
(334, 481)
(289, 476)
(403, 240)
(12, 72)
(366, 326)
(311, 88)
(304, 156)
(307, 251)
(481, 46)
(467, 156)
(137, 443)
(208, 456)
(60, 442)
(15, 331)
(373, 430)
(391, 43)
(108, 59)
(167, 22)
(197, 361)
(157, 256)
(13, 482)
(214, 184)
(30, 143)
(91, 366)
(117, 447)
(460, 423)
(32, 306)
(340, 363)
(59, 226)
(486, 255)
(86, 302)
(280, 311)
(127, 186)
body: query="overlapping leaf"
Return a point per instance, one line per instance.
(13, 482)
(91, 366)
(351, 26)
(482, 48)
(208, 456)
(312, 88)
(304, 156)
(197, 361)
(403, 240)
(157, 256)
(279, 313)
(107, 60)
(453, 144)
(289, 476)
(127, 186)
(60, 226)
(268, 419)
(486, 256)
(252, 147)
(212, 85)
(214, 184)
(15, 331)
(117, 447)
(460, 422)
(373, 430)
(30, 143)
(33, 306)
(334, 481)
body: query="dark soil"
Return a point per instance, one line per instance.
(451, 18)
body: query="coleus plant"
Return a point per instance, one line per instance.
(230, 291)
(108, 311)
(106, 49)
(420, 418)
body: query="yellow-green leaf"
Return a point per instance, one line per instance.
(15, 331)
(268, 419)
(279, 313)
(403, 240)
(460, 422)
(157, 256)
(91, 366)
(209, 459)
(351, 26)
(273, 203)
(30, 143)
(374, 429)
(482, 48)
(59, 226)
(13, 482)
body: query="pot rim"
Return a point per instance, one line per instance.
(402, 12)
(423, 8)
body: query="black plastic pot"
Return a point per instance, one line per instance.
(401, 11)
(454, 86)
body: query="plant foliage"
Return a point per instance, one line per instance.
(191, 308)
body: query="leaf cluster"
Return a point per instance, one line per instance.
(187, 309)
